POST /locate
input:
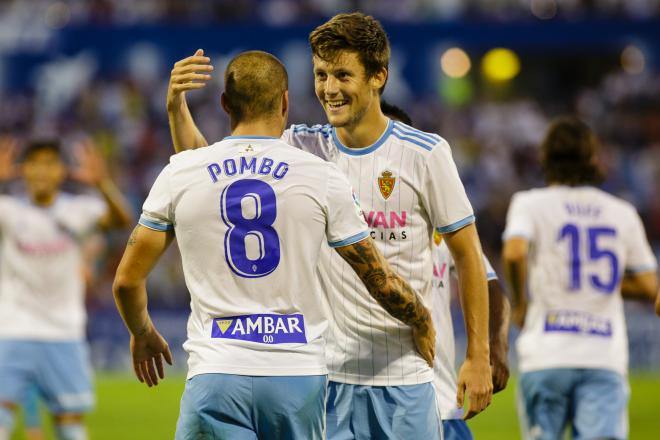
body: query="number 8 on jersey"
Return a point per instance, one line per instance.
(249, 208)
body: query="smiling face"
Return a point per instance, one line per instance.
(343, 89)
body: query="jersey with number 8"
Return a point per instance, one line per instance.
(250, 216)
(582, 240)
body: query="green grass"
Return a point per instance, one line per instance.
(127, 410)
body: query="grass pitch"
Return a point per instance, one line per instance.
(128, 410)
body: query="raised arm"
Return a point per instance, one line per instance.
(188, 74)
(92, 171)
(8, 149)
(499, 312)
(392, 292)
(148, 347)
(475, 373)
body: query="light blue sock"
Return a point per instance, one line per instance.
(70, 431)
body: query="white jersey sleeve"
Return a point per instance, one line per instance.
(346, 224)
(519, 222)
(442, 192)
(157, 213)
(314, 140)
(639, 255)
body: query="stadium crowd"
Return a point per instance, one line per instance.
(285, 12)
(495, 144)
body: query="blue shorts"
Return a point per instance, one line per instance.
(592, 401)
(233, 407)
(456, 429)
(370, 412)
(60, 371)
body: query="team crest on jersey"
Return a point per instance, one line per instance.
(386, 184)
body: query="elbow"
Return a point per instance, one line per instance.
(123, 286)
(513, 256)
(515, 251)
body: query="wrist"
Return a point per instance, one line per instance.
(144, 329)
(176, 104)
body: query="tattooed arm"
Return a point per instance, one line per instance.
(148, 347)
(392, 292)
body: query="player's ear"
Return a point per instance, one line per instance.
(285, 103)
(379, 78)
(223, 102)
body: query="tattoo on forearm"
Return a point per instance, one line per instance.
(391, 291)
(133, 238)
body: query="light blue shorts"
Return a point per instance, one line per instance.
(233, 407)
(60, 371)
(456, 429)
(592, 401)
(368, 412)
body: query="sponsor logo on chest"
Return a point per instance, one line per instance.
(261, 328)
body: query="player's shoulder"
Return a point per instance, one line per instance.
(613, 202)
(533, 195)
(421, 141)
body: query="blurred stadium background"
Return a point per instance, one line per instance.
(485, 74)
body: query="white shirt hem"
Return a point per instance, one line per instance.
(252, 371)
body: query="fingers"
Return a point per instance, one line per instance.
(460, 395)
(479, 400)
(168, 355)
(159, 366)
(199, 52)
(188, 86)
(138, 373)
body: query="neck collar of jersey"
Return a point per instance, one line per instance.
(250, 137)
(366, 150)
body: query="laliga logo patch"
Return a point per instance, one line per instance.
(386, 184)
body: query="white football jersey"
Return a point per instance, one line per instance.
(250, 215)
(407, 184)
(582, 241)
(42, 292)
(444, 364)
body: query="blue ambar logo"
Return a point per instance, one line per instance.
(572, 321)
(261, 328)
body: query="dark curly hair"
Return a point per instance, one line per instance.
(354, 32)
(569, 153)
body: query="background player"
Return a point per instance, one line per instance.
(371, 357)
(579, 250)
(41, 287)
(277, 205)
(445, 381)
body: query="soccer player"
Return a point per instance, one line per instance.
(408, 184)
(578, 250)
(250, 214)
(41, 287)
(445, 381)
